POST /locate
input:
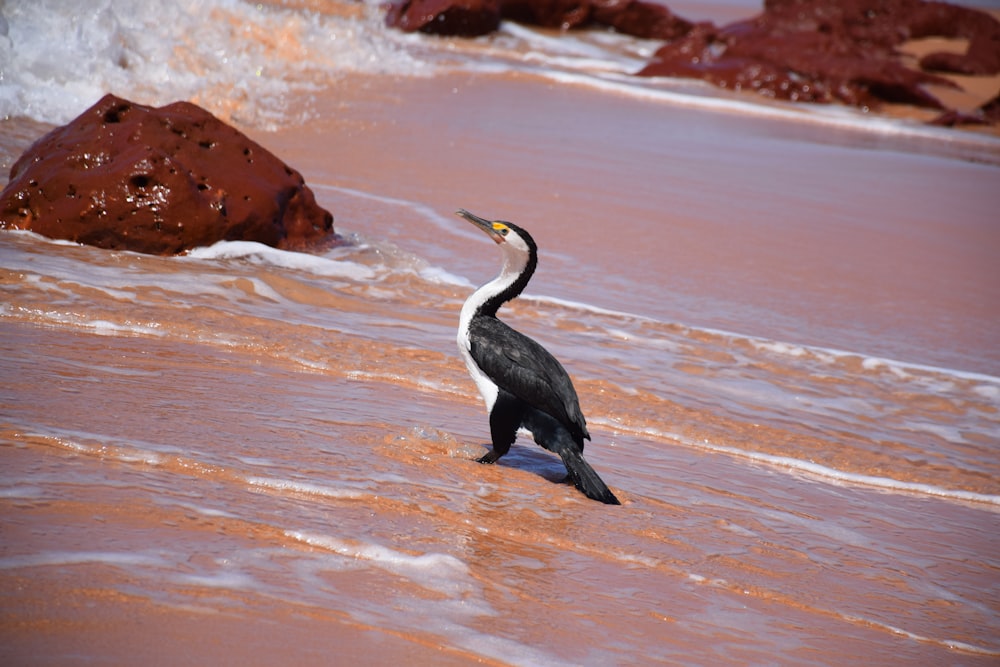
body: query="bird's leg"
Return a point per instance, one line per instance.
(505, 419)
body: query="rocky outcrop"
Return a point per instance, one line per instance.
(819, 51)
(646, 20)
(470, 18)
(160, 181)
(465, 18)
(799, 50)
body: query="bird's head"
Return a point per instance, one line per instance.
(505, 234)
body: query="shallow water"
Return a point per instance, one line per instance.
(782, 326)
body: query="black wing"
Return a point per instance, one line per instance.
(524, 368)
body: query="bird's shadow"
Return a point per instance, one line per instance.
(536, 460)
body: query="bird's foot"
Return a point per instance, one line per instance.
(489, 457)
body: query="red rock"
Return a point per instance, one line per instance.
(470, 18)
(819, 51)
(642, 19)
(991, 109)
(564, 14)
(800, 50)
(160, 181)
(940, 19)
(465, 18)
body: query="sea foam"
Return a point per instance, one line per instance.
(240, 60)
(435, 571)
(306, 488)
(818, 471)
(62, 558)
(263, 254)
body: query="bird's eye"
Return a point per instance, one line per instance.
(503, 231)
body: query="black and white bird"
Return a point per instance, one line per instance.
(523, 385)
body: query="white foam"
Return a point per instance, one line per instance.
(238, 59)
(35, 237)
(306, 488)
(842, 477)
(901, 369)
(948, 643)
(444, 223)
(106, 328)
(510, 652)
(812, 469)
(95, 445)
(381, 554)
(435, 571)
(588, 308)
(257, 461)
(264, 254)
(828, 355)
(22, 491)
(60, 558)
(785, 349)
(573, 52)
(207, 511)
(223, 579)
(436, 274)
(828, 116)
(247, 62)
(989, 392)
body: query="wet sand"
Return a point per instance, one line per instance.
(252, 545)
(262, 465)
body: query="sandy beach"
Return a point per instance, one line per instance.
(782, 325)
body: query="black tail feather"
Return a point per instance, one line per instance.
(554, 437)
(586, 478)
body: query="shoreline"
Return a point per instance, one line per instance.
(270, 461)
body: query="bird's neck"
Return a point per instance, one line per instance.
(514, 276)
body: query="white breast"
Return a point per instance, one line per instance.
(486, 386)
